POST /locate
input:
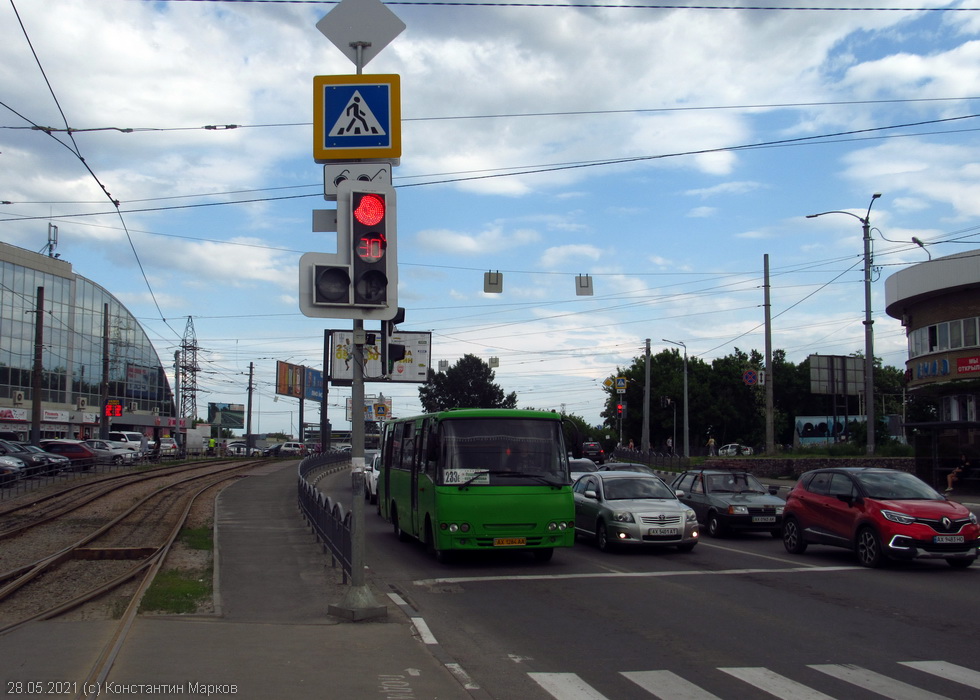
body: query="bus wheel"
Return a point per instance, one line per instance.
(543, 555)
(399, 533)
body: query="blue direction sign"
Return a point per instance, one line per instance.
(356, 117)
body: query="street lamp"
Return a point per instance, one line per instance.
(921, 245)
(869, 355)
(687, 445)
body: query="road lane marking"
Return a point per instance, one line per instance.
(567, 686)
(424, 632)
(952, 672)
(781, 560)
(667, 685)
(631, 574)
(876, 683)
(775, 684)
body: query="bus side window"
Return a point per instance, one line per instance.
(408, 447)
(429, 453)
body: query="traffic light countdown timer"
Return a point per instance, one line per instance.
(359, 281)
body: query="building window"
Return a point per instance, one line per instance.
(941, 337)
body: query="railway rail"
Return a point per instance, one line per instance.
(119, 532)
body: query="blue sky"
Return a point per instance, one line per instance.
(664, 152)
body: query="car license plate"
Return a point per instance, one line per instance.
(509, 541)
(662, 531)
(764, 519)
(948, 539)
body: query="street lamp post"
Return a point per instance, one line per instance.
(687, 443)
(869, 353)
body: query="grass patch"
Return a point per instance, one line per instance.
(177, 592)
(198, 537)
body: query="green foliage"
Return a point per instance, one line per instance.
(722, 406)
(177, 592)
(467, 384)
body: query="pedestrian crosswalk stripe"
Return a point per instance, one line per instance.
(876, 683)
(566, 686)
(667, 685)
(774, 684)
(948, 671)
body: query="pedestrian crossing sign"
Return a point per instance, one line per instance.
(356, 117)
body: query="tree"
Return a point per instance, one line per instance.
(467, 384)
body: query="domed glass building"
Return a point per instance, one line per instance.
(94, 356)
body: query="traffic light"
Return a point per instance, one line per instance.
(619, 410)
(360, 280)
(373, 249)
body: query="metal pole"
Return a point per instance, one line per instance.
(645, 434)
(687, 436)
(869, 351)
(770, 434)
(869, 342)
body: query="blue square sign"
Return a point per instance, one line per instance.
(356, 116)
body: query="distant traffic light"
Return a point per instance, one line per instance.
(619, 410)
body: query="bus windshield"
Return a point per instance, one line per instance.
(502, 451)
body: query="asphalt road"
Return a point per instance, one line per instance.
(732, 617)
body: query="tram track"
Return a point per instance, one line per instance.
(114, 547)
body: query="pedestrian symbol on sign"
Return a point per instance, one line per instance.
(357, 119)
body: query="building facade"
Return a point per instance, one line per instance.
(92, 353)
(938, 303)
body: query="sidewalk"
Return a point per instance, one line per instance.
(271, 636)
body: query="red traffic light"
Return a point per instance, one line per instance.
(371, 210)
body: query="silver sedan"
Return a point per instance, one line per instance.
(632, 509)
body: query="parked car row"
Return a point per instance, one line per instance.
(880, 514)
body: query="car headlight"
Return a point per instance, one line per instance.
(738, 510)
(973, 518)
(623, 517)
(691, 516)
(779, 510)
(897, 517)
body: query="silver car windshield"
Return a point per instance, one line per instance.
(623, 488)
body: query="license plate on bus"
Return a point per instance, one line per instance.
(764, 519)
(509, 541)
(948, 539)
(662, 531)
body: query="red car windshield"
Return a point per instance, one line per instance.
(895, 486)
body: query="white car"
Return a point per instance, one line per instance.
(168, 447)
(733, 450)
(111, 451)
(372, 468)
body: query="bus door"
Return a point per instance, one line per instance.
(408, 463)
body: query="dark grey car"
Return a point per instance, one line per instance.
(728, 500)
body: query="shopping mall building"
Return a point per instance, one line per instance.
(93, 354)
(938, 303)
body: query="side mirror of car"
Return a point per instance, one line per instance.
(773, 490)
(591, 494)
(846, 498)
(679, 493)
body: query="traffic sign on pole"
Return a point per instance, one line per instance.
(356, 117)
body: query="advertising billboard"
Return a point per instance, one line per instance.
(414, 367)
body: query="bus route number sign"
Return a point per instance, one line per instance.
(466, 476)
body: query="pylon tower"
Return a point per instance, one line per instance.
(188, 368)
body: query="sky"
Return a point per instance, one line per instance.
(663, 149)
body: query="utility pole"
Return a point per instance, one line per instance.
(645, 435)
(770, 435)
(249, 438)
(37, 375)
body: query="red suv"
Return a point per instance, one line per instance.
(880, 514)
